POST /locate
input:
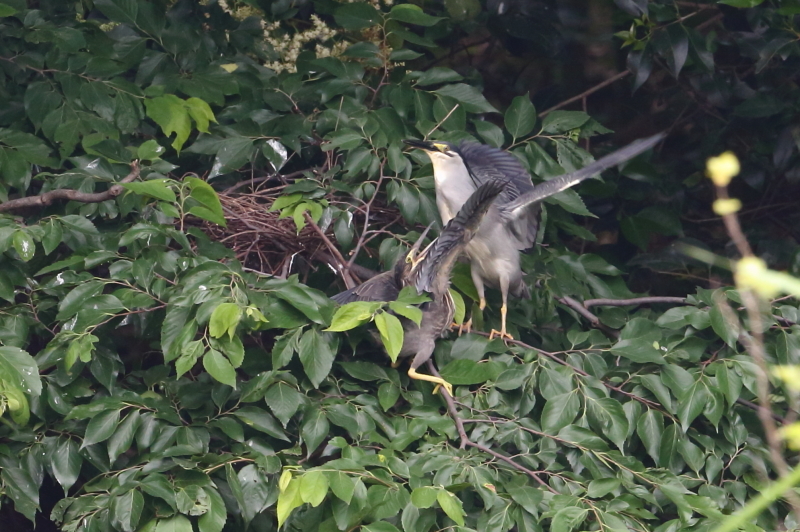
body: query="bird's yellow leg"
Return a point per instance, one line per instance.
(502, 332)
(467, 325)
(412, 373)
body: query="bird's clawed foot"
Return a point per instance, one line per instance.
(500, 334)
(446, 385)
(465, 327)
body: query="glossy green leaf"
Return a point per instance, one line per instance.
(391, 331)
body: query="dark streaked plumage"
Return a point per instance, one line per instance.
(429, 272)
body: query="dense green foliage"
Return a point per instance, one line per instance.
(164, 358)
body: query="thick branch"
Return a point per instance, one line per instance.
(47, 198)
(594, 320)
(634, 301)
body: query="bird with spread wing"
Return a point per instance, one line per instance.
(512, 222)
(429, 272)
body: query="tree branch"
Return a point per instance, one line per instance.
(466, 442)
(47, 198)
(633, 301)
(341, 265)
(594, 320)
(586, 93)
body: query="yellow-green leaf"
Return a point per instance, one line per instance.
(391, 333)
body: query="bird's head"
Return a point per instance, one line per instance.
(445, 156)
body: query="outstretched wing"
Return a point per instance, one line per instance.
(382, 287)
(432, 273)
(517, 208)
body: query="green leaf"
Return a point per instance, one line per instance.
(490, 133)
(6, 10)
(128, 510)
(602, 487)
(215, 518)
(156, 188)
(289, 498)
(405, 310)
(341, 485)
(121, 440)
(170, 113)
(424, 497)
(219, 367)
(391, 331)
(650, 428)
(66, 463)
(261, 420)
(224, 319)
(283, 400)
(465, 372)
(638, 350)
(559, 412)
(563, 121)
(315, 429)
(520, 117)
(101, 427)
(149, 150)
(124, 11)
(451, 506)
(201, 113)
(469, 97)
(380, 526)
(232, 154)
(177, 523)
(313, 487)
(435, 75)
(567, 519)
(412, 14)
(18, 368)
(356, 16)
(352, 315)
(210, 207)
(316, 355)
(388, 394)
(725, 325)
(24, 245)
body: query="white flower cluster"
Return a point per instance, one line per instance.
(289, 48)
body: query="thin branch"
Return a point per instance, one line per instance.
(47, 198)
(367, 208)
(341, 265)
(634, 301)
(285, 177)
(466, 442)
(587, 92)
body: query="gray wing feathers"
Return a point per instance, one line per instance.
(433, 274)
(486, 163)
(382, 287)
(517, 207)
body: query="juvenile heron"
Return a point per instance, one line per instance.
(512, 222)
(429, 272)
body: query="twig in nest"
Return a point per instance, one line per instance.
(47, 198)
